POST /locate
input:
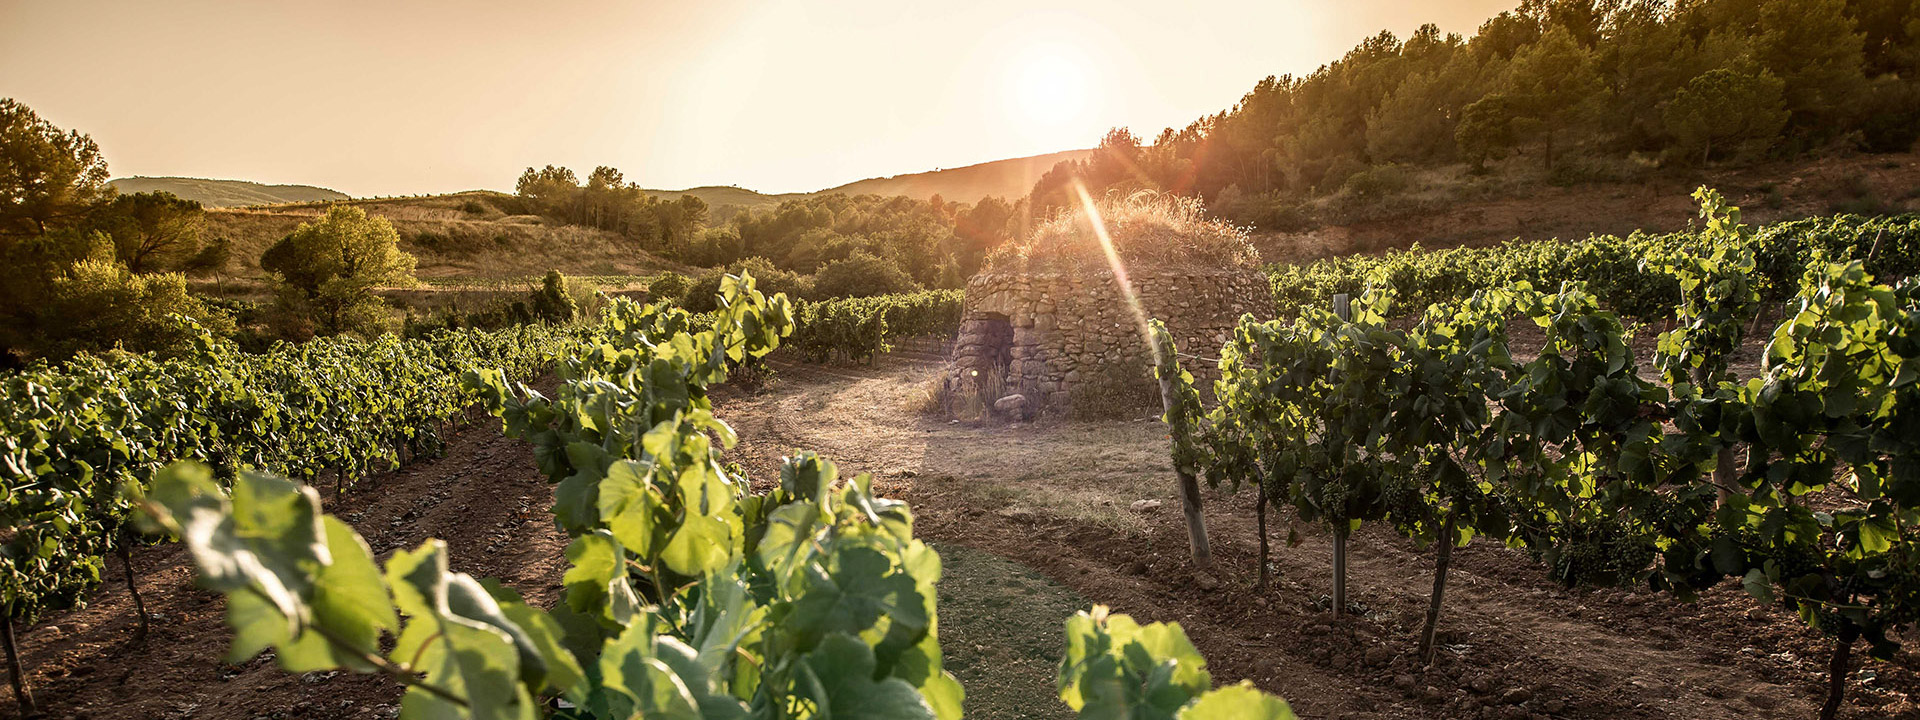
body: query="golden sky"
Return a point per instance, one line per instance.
(406, 96)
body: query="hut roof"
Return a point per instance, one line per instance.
(1148, 230)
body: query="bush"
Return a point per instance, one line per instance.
(329, 268)
(1146, 228)
(1377, 182)
(98, 305)
(552, 303)
(587, 298)
(862, 275)
(670, 286)
(769, 279)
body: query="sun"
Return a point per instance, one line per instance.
(1051, 87)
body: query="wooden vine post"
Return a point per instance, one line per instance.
(21, 693)
(1167, 368)
(1443, 556)
(1342, 307)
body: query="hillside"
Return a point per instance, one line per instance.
(478, 234)
(1449, 207)
(226, 193)
(1008, 179)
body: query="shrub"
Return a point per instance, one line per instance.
(587, 298)
(552, 303)
(329, 268)
(669, 286)
(98, 304)
(862, 274)
(769, 279)
(1153, 228)
(1377, 182)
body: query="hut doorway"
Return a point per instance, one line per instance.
(996, 347)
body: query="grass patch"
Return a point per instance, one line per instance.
(1001, 631)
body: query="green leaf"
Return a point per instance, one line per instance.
(631, 505)
(1758, 586)
(350, 601)
(1237, 702)
(596, 583)
(838, 675)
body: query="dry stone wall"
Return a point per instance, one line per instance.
(1037, 334)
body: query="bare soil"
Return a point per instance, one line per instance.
(1057, 498)
(484, 498)
(1033, 521)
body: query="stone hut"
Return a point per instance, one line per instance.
(1052, 312)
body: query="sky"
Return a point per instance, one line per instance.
(429, 96)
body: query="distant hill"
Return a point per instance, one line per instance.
(1008, 179)
(723, 202)
(226, 193)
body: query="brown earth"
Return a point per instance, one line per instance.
(1034, 520)
(1057, 497)
(484, 498)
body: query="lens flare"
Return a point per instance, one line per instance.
(1119, 268)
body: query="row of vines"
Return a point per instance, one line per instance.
(687, 596)
(858, 329)
(1802, 483)
(1611, 267)
(74, 438)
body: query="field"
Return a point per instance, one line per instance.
(1033, 522)
(1551, 361)
(464, 236)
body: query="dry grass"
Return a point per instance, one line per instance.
(463, 235)
(1149, 228)
(1088, 472)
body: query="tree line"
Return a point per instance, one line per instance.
(1568, 83)
(88, 268)
(855, 245)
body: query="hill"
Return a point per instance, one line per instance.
(226, 193)
(1007, 179)
(725, 201)
(477, 234)
(1452, 207)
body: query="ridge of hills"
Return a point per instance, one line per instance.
(1008, 179)
(226, 193)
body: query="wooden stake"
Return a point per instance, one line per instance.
(1442, 558)
(1342, 307)
(20, 690)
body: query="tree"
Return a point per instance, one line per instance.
(1555, 79)
(1412, 124)
(1485, 130)
(213, 259)
(1812, 46)
(49, 178)
(329, 269)
(552, 303)
(1727, 108)
(152, 231)
(862, 274)
(548, 189)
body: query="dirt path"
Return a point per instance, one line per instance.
(1056, 497)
